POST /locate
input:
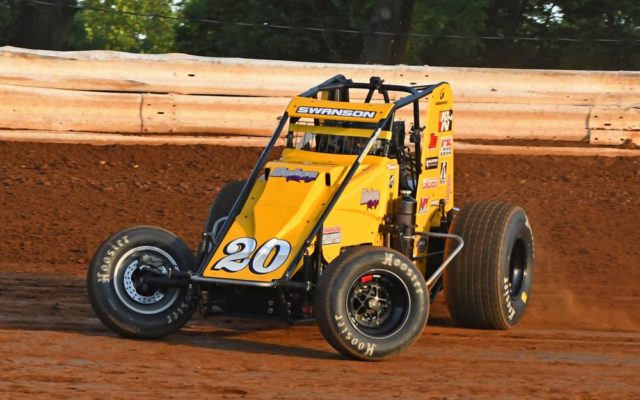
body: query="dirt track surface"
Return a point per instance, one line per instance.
(580, 337)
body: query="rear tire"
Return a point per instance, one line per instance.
(223, 203)
(119, 297)
(371, 303)
(221, 206)
(488, 284)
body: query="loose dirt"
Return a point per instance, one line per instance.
(579, 339)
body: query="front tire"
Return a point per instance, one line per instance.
(371, 303)
(119, 297)
(488, 285)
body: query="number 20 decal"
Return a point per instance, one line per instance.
(239, 255)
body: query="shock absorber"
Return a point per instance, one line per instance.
(404, 217)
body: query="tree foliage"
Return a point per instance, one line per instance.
(590, 20)
(32, 25)
(438, 18)
(114, 25)
(388, 27)
(254, 28)
(8, 12)
(483, 33)
(573, 34)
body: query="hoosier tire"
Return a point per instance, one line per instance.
(371, 303)
(488, 284)
(119, 297)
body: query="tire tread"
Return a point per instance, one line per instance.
(472, 286)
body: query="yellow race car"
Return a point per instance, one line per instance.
(353, 226)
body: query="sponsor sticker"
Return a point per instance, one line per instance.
(337, 112)
(430, 183)
(422, 245)
(446, 121)
(331, 235)
(433, 141)
(296, 175)
(443, 172)
(371, 198)
(446, 144)
(431, 163)
(424, 205)
(440, 101)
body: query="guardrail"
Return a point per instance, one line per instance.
(111, 92)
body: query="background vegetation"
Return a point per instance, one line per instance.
(565, 34)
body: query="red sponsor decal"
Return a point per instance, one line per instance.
(446, 120)
(424, 205)
(331, 235)
(433, 141)
(430, 183)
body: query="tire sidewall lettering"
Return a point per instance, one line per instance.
(514, 308)
(109, 258)
(391, 260)
(353, 339)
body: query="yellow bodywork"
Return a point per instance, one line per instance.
(436, 184)
(285, 203)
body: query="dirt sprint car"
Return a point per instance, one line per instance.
(352, 226)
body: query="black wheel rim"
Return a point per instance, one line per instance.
(517, 268)
(378, 303)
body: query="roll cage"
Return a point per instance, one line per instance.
(338, 89)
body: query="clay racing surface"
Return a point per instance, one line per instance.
(580, 338)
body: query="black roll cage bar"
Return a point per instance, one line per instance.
(337, 82)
